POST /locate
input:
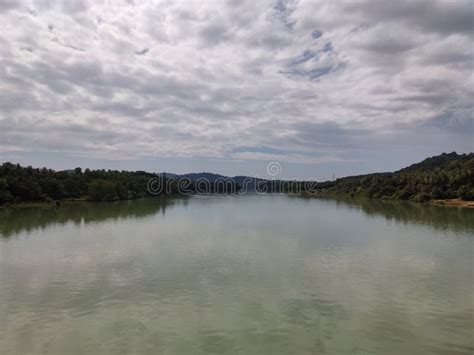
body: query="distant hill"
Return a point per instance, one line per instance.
(246, 183)
(168, 175)
(207, 176)
(445, 176)
(442, 162)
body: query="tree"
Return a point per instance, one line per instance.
(102, 190)
(5, 194)
(466, 193)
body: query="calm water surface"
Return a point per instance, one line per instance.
(237, 275)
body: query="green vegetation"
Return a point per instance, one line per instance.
(20, 184)
(446, 176)
(27, 184)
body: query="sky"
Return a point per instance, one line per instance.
(320, 87)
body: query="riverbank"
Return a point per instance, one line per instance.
(71, 201)
(443, 202)
(454, 203)
(56, 203)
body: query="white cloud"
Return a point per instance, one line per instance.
(317, 80)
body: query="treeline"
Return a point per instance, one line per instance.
(26, 184)
(446, 176)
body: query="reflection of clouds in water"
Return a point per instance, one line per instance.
(419, 264)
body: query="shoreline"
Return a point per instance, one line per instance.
(457, 202)
(443, 202)
(42, 203)
(449, 202)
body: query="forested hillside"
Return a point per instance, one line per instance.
(21, 184)
(446, 176)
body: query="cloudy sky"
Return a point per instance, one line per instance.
(322, 87)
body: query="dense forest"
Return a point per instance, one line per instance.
(446, 176)
(21, 184)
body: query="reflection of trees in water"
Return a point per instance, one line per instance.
(439, 217)
(16, 220)
(442, 218)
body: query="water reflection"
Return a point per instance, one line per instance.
(19, 219)
(441, 218)
(249, 274)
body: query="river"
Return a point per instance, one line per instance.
(268, 274)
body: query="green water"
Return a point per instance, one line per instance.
(237, 275)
